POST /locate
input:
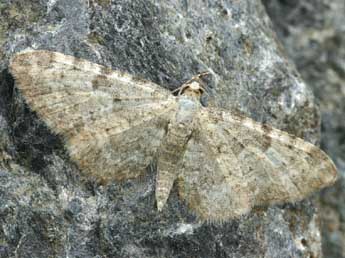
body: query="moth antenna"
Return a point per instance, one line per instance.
(197, 77)
(180, 89)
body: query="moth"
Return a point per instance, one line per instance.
(114, 125)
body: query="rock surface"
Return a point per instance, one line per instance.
(313, 34)
(48, 210)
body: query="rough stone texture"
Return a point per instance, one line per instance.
(313, 33)
(48, 210)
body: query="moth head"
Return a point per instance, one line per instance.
(195, 87)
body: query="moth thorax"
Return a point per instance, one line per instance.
(186, 111)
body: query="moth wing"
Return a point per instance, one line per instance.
(111, 122)
(233, 163)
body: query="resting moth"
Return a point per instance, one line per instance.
(114, 125)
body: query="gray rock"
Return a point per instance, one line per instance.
(313, 34)
(48, 210)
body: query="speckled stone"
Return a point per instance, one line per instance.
(48, 210)
(313, 34)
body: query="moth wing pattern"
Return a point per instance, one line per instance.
(233, 163)
(111, 122)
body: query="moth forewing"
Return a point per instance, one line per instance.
(260, 164)
(111, 122)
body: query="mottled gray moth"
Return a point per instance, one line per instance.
(115, 125)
